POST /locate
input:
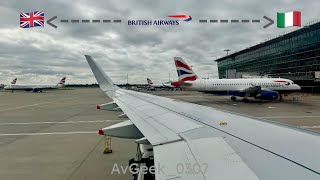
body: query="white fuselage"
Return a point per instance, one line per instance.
(168, 85)
(156, 85)
(212, 85)
(29, 86)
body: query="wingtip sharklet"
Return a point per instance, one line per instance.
(102, 78)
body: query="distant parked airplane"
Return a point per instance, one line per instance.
(14, 81)
(154, 86)
(260, 88)
(151, 84)
(35, 87)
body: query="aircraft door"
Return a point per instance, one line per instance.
(203, 84)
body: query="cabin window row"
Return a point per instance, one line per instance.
(249, 84)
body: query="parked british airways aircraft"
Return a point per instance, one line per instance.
(163, 85)
(260, 88)
(189, 141)
(35, 87)
(151, 84)
(14, 81)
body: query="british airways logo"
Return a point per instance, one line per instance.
(186, 17)
(161, 22)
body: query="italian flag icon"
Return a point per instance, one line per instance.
(289, 19)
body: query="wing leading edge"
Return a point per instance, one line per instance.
(105, 83)
(183, 134)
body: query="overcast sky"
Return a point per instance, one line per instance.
(45, 54)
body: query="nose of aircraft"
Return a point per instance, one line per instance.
(297, 87)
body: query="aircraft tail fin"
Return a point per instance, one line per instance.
(62, 82)
(149, 81)
(14, 81)
(185, 73)
(102, 78)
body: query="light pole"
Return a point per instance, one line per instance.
(227, 50)
(127, 79)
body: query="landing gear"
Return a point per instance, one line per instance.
(143, 162)
(280, 97)
(233, 98)
(245, 100)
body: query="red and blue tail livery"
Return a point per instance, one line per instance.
(14, 81)
(185, 73)
(149, 81)
(186, 17)
(32, 19)
(62, 81)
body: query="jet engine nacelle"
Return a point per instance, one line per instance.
(267, 95)
(35, 90)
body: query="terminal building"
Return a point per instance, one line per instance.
(295, 56)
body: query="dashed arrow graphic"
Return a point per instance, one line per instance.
(237, 21)
(51, 19)
(270, 22)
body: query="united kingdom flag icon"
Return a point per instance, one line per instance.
(32, 19)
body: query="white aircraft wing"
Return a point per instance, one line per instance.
(252, 89)
(196, 142)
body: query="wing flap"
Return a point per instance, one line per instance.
(208, 158)
(152, 130)
(158, 124)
